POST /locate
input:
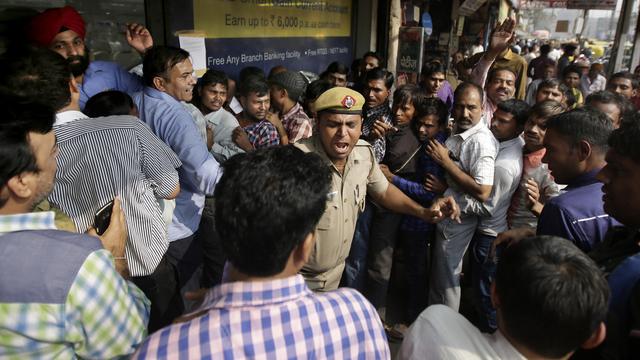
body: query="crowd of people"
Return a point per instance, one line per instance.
(157, 215)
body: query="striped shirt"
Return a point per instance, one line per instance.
(277, 319)
(102, 158)
(60, 295)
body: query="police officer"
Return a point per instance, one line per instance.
(355, 173)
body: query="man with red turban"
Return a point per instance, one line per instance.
(63, 31)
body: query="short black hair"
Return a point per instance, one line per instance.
(549, 83)
(627, 109)
(624, 140)
(408, 93)
(545, 49)
(316, 88)
(546, 109)
(106, 103)
(267, 202)
(38, 74)
(432, 67)
(583, 123)
(495, 70)
(379, 74)
(466, 85)
(518, 108)
(573, 68)
(562, 87)
(338, 67)
(626, 75)
(248, 72)
(432, 106)
(253, 85)
(552, 296)
(159, 60)
(374, 55)
(213, 77)
(20, 116)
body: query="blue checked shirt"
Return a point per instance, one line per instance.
(278, 319)
(262, 134)
(60, 295)
(417, 192)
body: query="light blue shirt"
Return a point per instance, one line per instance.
(199, 172)
(105, 75)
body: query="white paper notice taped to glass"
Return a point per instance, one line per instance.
(194, 44)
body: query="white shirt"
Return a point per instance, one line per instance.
(443, 334)
(223, 123)
(198, 119)
(68, 116)
(476, 148)
(505, 183)
(587, 86)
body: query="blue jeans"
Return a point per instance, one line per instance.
(483, 272)
(355, 267)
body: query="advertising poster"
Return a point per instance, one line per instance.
(301, 35)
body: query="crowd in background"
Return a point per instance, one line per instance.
(157, 215)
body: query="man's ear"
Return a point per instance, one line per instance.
(596, 338)
(21, 185)
(73, 86)
(584, 150)
(159, 83)
(303, 251)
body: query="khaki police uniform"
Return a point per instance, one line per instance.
(345, 200)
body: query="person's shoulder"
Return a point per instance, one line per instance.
(101, 65)
(362, 144)
(358, 306)
(306, 145)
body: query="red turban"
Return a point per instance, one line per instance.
(46, 25)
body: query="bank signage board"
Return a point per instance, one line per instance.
(299, 34)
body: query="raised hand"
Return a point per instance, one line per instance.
(139, 37)
(501, 36)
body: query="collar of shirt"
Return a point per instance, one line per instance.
(353, 157)
(293, 111)
(255, 293)
(585, 179)
(516, 141)
(507, 54)
(377, 111)
(474, 129)
(42, 220)
(157, 94)
(69, 116)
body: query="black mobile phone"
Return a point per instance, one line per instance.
(103, 218)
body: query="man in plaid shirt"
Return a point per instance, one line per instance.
(255, 130)
(61, 294)
(286, 89)
(267, 311)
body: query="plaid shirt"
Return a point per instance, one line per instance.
(383, 113)
(101, 315)
(416, 191)
(262, 134)
(297, 124)
(278, 319)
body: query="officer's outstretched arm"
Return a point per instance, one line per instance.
(395, 200)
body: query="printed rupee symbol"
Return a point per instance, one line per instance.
(272, 18)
